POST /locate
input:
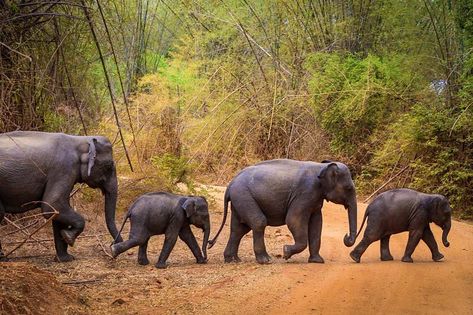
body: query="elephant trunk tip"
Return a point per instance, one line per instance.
(348, 240)
(211, 243)
(446, 230)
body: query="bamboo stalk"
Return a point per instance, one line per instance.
(107, 78)
(68, 77)
(125, 98)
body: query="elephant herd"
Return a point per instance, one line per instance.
(39, 170)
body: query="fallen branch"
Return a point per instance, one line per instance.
(22, 230)
(34, 232)
(36, 215)
(31, 256)
(52, 239)
(81, 281)
(16, 231)
(103, 247)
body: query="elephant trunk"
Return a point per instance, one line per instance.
(205, 240)
(110, 191)
(446, 230)
(349, 239)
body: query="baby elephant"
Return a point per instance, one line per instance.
(168, 214)
(400, 210)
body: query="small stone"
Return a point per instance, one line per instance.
(119, 301)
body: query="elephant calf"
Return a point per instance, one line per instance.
(168, 214)
(400, 210)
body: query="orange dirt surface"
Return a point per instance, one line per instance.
(94, 283)
(25, 289)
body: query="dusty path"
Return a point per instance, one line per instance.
(294, 287)
(342, 286)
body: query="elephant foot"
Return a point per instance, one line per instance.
(437, 257)
(230, 259)
(201, 261)
(64, 258)
(114, 250)
(407, 259)
(143, 261)
(355, 257)
(161, 265)
(316, 259)
(68, 237)
(286, 252)
(263, 259)
(386, 257)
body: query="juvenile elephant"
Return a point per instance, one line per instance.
(168, 214)
(39, 169)
(400, 210)
(278, 192)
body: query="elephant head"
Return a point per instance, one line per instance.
(197, 211)
(337, 186)
(441, 214)
(98, 171)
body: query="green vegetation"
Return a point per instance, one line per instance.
(213, 86)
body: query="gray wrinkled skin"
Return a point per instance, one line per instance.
(41, 166)
(168, 214)
(399, 210)
(278, 192)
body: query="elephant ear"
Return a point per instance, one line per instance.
(446, 209)
(438, 207)
(189, 207)
(328, 170)
(92, 155)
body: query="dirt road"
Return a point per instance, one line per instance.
(293, 287)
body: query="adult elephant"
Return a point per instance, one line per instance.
(278, 192)
(39, 169)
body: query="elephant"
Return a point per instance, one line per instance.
(39, 170)
(400, 210)
(169, 214)
(291, 192)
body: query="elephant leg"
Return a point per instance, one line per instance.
(138, 237)
(368, 238)
(60, 244)
(297, 224)
(237, 231)
(315, 233)
(142, 253)
(429, 239)
(250, 213)
(72, 222)
(188, 237)
(119, 248)
(414, 238)
(384, 249)
(262, 256)
(169, 242)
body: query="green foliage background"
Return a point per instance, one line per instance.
(213, 86)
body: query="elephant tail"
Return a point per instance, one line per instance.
(362, 223)
(128, 214)
(226, 199)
